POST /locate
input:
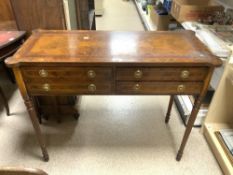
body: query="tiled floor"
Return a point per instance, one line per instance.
(114, 135)
(119, 15)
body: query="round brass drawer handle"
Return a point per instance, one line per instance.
(138, 74)
(137, 87)
(185, 74)
(92, 88)
(43, 73)
(91, 74)
(181, 88)
(46, 87)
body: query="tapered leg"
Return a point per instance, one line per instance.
(169, 109)
(5, 102)
(57, 108)
(9, 73)
(76, 115)
(189, 127)
(33, 115)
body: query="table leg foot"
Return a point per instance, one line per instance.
(76, 115)
(8, 111)
(5, 102)
(35, 123)
(189, 127)
(45, 155)
(179, 155)
(167, 119)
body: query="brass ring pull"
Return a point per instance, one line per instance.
(92, 88)
(138, 74)
(137, 87)
(46, 87)
(185, 74)
(43, 73)
(91, 74)
(181, 88)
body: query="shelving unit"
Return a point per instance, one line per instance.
(145, 18)
(220, 116)
(148, 24)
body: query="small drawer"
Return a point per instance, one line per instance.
(159, 88)
(162, 74)
(67, 89)
(66, 74)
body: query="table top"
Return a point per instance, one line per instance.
(168, 48)
(9, 37)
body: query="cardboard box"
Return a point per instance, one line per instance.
(161, 21)
(194, 10)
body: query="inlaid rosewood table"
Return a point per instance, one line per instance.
(112, 63)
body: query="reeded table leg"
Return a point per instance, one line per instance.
(169, 109)
(32, 113)
(189, 127)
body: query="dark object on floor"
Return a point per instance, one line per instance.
(4, 101)
(56, 106)
(21, 171)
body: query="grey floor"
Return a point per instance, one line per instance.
(114, 134)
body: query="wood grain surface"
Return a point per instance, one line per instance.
(80, 47)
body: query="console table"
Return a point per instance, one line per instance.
(112, 63)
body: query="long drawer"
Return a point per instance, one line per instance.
(161, 74)
(66, 74)
(158, 87)
(66, 89)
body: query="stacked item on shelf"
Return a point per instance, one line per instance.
(185, 104)
(194, 10)
(143, 14)
(160, 17)
(223, 32)
(167, 4)
(216, 45)
(218, 38)
(225, 138)
(154, 15)
(145, 3)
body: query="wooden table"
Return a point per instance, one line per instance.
(113, 63)
(10, 41)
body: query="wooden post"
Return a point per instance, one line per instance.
(194, 112)
(31, 110)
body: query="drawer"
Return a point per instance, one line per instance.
(159, 88)
(68, 89)
(162, 74)
(66, 74)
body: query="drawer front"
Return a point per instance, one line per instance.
(66, 89)
(159, 88)
(66, 74)
(162, 74)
